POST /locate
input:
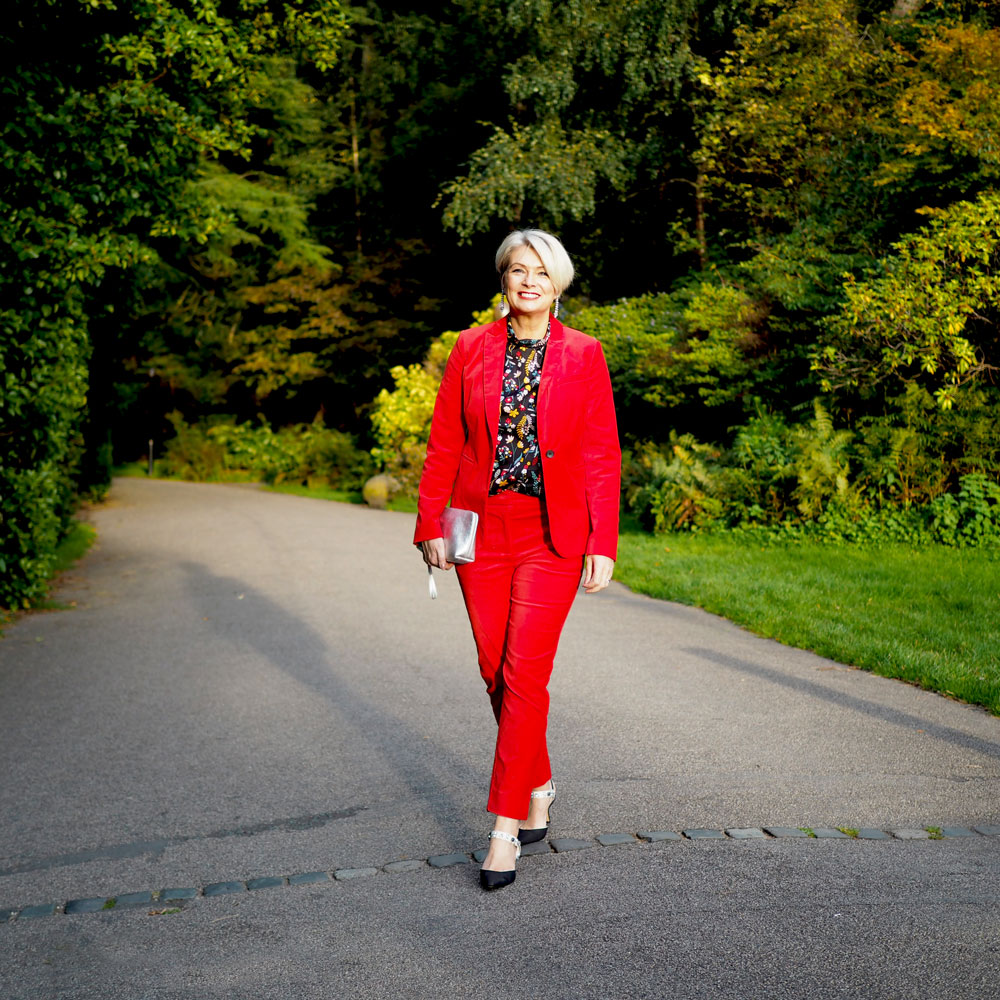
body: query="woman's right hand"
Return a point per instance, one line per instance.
(434, 553)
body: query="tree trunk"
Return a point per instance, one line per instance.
(699, 210)
(356, 161)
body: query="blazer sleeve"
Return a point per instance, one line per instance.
(444, 448)
(602, 460)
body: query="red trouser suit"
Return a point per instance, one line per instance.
(518, 593)
(529, 552)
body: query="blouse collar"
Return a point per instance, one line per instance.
(522, 340)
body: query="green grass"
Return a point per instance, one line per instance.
(133, 470)
(78, 539)
(140, 470)
(929, 615)
(404, 504)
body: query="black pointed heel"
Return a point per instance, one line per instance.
(540, 832)
(497, 880)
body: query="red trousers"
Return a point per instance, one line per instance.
(518, 593)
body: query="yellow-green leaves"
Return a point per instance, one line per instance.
(945, 107)
(401, 418)
(929, 313)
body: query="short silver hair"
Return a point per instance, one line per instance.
(550, 251)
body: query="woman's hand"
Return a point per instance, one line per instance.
(597, 572)
(434, 553)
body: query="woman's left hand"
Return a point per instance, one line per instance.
(597, 572)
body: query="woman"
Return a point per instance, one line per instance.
(524, 433)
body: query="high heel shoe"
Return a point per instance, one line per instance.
(497, 880)
(539, 832)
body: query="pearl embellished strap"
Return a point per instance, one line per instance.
(509, 837)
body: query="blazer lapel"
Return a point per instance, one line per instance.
(494, 346)
(551, 370)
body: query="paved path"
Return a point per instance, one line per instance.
(255, 685)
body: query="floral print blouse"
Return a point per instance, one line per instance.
(517, 466)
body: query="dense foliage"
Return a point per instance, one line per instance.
(112, 109)
(303, 454)
(258, 215)
(827, 366)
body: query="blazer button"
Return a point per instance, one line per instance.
(550, 453)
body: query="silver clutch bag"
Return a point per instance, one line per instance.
(458, 528)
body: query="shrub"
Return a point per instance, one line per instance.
(927, 314)
(310, 454)
(969, 517)
(917, 451)
(759, 473)
(43, 385)
(192, 453)
(401, 418)
(698, 346)
(673, 486)
(822, 467)
(783, 481)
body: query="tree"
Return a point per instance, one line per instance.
(595, 136)
(929, 313)
(112, 108)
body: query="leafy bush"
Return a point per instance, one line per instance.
(43, 358)
(927, 314)
(698, 346)
(916, 451)
(760, 472)
(822, 466)
(310, 454)
(401, 418)
(902, 475)
(784, 481)
(969, 517)
(672, 487)
(192, 453)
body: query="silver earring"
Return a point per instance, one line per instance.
(503, 308)
(555, 309)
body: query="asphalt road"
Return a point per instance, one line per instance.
(252, 685)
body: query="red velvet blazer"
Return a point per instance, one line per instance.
(577, 438)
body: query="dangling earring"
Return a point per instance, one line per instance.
(555, 309)
(503, 307)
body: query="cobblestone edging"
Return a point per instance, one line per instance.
(172, 899)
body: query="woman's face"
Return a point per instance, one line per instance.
(528, 285)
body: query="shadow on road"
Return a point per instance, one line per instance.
(852, 702)
(294, 647)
